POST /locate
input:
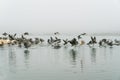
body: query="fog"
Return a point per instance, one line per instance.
(59, 15)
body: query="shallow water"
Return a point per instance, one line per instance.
(66, 63)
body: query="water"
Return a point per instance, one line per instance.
(67, 63)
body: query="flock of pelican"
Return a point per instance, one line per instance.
(55, 42)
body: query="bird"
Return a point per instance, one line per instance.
(26, 33)
(79, 36)
(5, 34)
(73, 42)
(65, 42)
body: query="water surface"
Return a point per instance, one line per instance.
(66, 63)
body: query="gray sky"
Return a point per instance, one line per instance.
(60, 15)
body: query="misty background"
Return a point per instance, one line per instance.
(59, 15)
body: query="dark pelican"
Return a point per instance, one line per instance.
(103, 42)
(57, 40)
(100, 43)
(5, 34)
(83, 34)
(65, 42)
(92, 41)
(51, 40)
(73, 42)
(23, 37)
(79, 36)
(15, 34)
(37, 40)
(56, 33)
(42, 40)
(26, 33)
(110, 43)
(27, 44)
(11, 37)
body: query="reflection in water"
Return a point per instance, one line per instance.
(41, 66)
(82, 58)
(82, 65)
(26, 56)
(56, 56)
(26, 51)
(93, 55)
(12, 59)
(111, 51)
(73, 56)
(3, 62)
(103, 52)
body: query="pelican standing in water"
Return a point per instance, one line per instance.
(92, 42)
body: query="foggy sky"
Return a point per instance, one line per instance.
(60, 15)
